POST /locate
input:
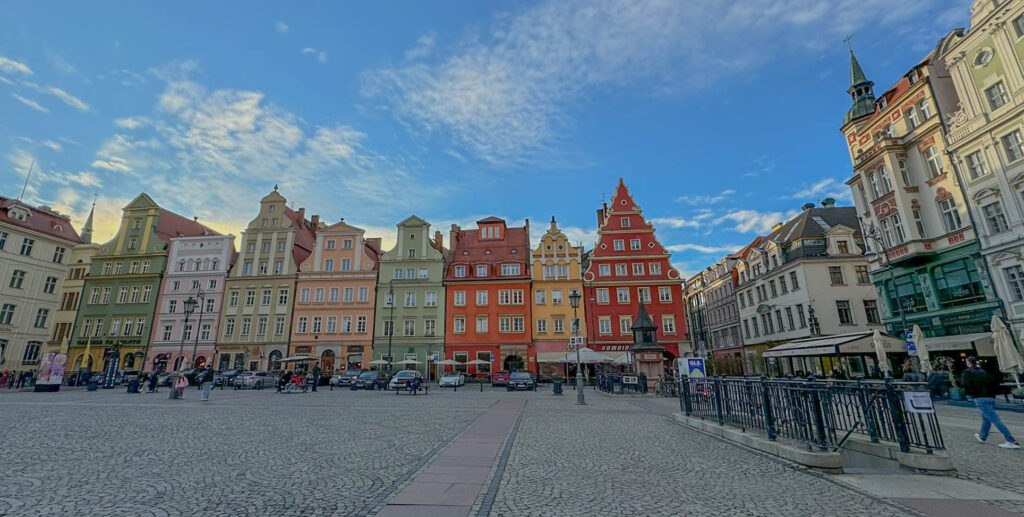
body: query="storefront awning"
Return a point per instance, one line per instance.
(981, 340)
(856, 343)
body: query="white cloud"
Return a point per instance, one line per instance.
(697, 221)
(131, 123)
(706, 199)
(112, 163)
(281, 27)
(5, 80)
(53, 145)
(725, 248)
(322, 57)
(308, 50)
(30, 103)
(753, 221)
(68, 99)
(507, 93)
(828, 187)
(11, 66)
(423, 47)
(85, 179)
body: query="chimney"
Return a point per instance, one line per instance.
(453, 236)
(315, 219)
(374, 242)
(527, 233)
(438, 241)
(807, 206)
(302, 214)
(600, 216)
(776, 227)
(828, 202)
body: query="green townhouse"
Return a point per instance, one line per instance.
(410, 299)
(120, 292)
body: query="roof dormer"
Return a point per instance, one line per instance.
(18, 213)
(491, 229)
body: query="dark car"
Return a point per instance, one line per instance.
(369, 381)
(129, 375)
(226, 378)
(347, 378)
(521, 381)
(499, 379)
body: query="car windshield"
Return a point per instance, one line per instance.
(368, 375)
(451, 375)
(521, 376)
(404, 374)
(353, 372)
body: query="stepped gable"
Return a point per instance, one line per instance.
(622, 205)
(40, 220)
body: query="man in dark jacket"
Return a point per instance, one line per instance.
(981, 387)
(207, 382)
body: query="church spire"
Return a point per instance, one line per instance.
(861, 92)
(86, 234)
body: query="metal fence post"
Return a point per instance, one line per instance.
(684, 396)
(896, 410)
(718, 400)
(819, 417)
(769, 423)
(869, 416)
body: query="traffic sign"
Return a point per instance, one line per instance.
(911, 347)
(695, 367)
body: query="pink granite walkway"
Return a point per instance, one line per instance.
(458, 475)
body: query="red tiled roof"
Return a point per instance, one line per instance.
(170, 225)
(40, 221)
(500, 252)
(746, 249)
(305, 235)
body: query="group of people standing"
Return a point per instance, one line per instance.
(16, 380)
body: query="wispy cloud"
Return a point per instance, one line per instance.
(725, 248)
(68, 99)
(508, 93)
(706, 199)
(696, 221)
(11, 66)
(30, 103)
(321, 55)
(53, 145)
(828, 187)
(424, 46)
(281, 27)
(130, 123)
(112, 163)
(753, 221)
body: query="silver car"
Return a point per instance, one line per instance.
(256, 380)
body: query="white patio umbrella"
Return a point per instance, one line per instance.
(451, 362)
(623, 359)
(922, 349)
(883, 361)
(379, 361)
(408, 361)
(477, 361)
(587, 355)
(297, 358)
(1007, 354)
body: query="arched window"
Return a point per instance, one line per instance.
(912, 118)
(274, 360)
(886, 181)
(904, 173)
(925, 108)
(931, 156)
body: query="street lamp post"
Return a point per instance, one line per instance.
(391, 331)
(189, 306)
(199, 326)
(574, 301)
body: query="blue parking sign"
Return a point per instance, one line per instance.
(911, 347)
(695, 367)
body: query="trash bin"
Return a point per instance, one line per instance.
(133, 386)
(557, 388)
(92, 386)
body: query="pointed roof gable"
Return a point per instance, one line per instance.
(856, 74)
(40, 219)
(622, 200)
(86, 233)
(413, 220)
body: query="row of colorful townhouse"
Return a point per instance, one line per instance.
(168, 292)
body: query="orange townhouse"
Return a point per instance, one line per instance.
(487, 285)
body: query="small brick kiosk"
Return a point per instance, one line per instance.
(647, 353)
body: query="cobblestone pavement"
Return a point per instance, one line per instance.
(614, 457)
(347, 453)
(983, 462)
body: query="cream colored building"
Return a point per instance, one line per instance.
(79, 264)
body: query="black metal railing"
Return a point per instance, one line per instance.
(821, 414)
(621, 382)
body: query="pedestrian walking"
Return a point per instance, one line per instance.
(316, 376)
(180, 385)
(3, 378)
(207, 383)
(152, 382)
(981, 387)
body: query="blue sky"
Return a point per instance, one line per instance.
(722, 116)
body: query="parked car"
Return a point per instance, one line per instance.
(499, 379)
(403, 377)
(452, 379)
(226, 378)
(165, 379)
(521, 381)
(129, 375)
(346, 379)
(369, 380)
(256, 380)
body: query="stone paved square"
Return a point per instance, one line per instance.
(350, 453)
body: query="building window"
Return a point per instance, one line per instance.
(994, 217)
(625, 325)
(1012, 144)
(540, 297)
(41, 316)
(835, 274)
(619, 245)
(996, 95)
(602, 295)
(542, 326)
(604, 269)
(318, 295)
(621, 270)
(800, 315)
(3, 240)
(58, 254)
(904, 174)
(459, 325)
(26, 246)
(862, 274)
(7, 314)
(843, 246)
(950, 215)
(409, 327)
(634, 244)
(460, 271)
(282, 297)
(556, 297)
(604, 325)
(622, 294)
(510, 269)
(789, 318)
(329, 265)
(481, 297)
(1015, 280)
(664, 294)
(976, 165)
(410, 299)
(346, 244)
(919, 222)
(624, 222)
(265, 297)
(871, 310)
(17, 277)
(873, 182)
(481, 270)
(668, 324)
(931, 156)
(644, 293)
(1018, 25)
(958, 283)
(638, 269)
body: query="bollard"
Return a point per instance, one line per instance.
(718, 400)
(769, 423)
(556, 388)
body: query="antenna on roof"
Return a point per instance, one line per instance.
(27, 176)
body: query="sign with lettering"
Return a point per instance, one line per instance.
(897, 252)
(911, 347)
(695, 367)
(629, 379)
(918, 402)
(957, 237)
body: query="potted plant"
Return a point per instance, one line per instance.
(945, 364)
